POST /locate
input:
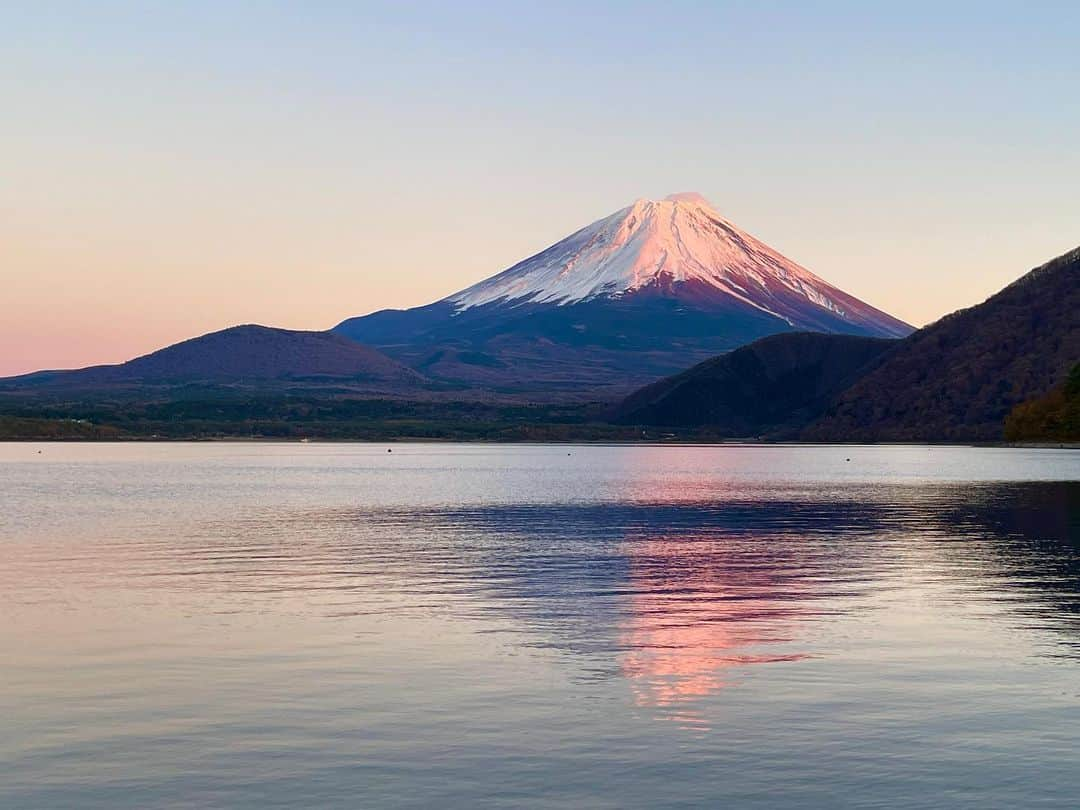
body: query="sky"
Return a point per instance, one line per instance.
(169, 169)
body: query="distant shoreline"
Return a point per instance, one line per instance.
(534, 442)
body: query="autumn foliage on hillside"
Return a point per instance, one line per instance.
(1051, 418)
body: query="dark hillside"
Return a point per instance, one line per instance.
(236, 355)
(957, 379)
(774, 384)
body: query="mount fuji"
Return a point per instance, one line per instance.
(649, 290)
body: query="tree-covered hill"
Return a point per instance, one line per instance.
(1051, 418)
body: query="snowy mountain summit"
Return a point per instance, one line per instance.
(647, 291)
(678, 246)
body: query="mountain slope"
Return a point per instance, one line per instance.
(774, 384)
(1054, 417)
(679, 246)
(636, 295)
(958, 378)
(239, 354)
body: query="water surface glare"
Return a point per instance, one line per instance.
(259, 625)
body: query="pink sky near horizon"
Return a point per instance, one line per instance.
(86, 298)
(165, 175)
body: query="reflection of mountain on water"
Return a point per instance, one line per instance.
(677, 597)
(575, 577)
(1033, 512)
(700, 606)
(1022, 542)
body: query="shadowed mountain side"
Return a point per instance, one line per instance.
(958, 378)
(775, 384)
(237, 355)
(597, 349)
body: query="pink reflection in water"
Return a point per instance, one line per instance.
(701, 607)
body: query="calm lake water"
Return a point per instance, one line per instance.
(285, 625)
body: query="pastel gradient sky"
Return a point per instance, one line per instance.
(169, 169)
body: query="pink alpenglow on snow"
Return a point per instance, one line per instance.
(679, 241)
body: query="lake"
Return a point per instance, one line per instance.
(260, 625)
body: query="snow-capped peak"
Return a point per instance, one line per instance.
(679, 242)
